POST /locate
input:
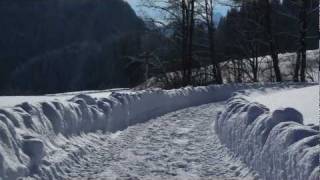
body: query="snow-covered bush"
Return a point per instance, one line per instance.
(276, 144)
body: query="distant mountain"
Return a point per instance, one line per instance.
(58, 45)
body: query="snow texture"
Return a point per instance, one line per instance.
(274, 143)
(10, 101)
(180, 145)
(305, 100)
(32, 133)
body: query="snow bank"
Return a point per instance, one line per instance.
(10, 101)
(31, 133)
(276, 143)
(305, 100)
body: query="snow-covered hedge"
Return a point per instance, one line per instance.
(276, 144)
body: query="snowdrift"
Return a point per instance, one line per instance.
(31, 132)
(276, 144)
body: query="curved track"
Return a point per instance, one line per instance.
(177, 145)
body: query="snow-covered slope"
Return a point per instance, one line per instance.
(305, 100)
(265, 70)
(276, 142)
(229, 73)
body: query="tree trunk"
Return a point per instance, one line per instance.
(184, 42)
(190, 41)
(187, 9)
(239, 71)
(271, 41)
(297, 67)
(255, 62)
(146, 75)
(255, 70)
(303, 33)
(211, 33)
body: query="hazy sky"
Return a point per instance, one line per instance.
(135, 4)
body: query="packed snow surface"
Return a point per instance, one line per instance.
(179, 145)
(305, 100)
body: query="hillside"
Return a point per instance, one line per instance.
(230, 70)
(48, 40)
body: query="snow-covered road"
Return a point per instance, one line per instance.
(177, 145)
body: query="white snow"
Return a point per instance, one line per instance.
(51, 124)
(40, 136)
(10, 101)
(265, 70)
(273, 142)
(179, 145)
(305, 100)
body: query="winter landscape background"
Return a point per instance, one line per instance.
(144, 89)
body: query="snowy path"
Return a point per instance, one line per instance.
(178, 145)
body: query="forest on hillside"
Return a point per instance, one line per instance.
(49, 46)
(250, 32)
(52, 46)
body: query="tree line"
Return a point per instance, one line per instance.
(251, 29)
(49, 46)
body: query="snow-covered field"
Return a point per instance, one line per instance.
(70, 135)
(265, 70)
(305, 100)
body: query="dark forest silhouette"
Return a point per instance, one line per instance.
(53, 46)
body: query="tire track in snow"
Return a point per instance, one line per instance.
(177, 145)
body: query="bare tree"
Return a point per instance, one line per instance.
(182, 14)
(306, 9)
(267, 26)
(188, 23)
(209, 8)
(271, 39)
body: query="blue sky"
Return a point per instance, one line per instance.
(135, 4)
